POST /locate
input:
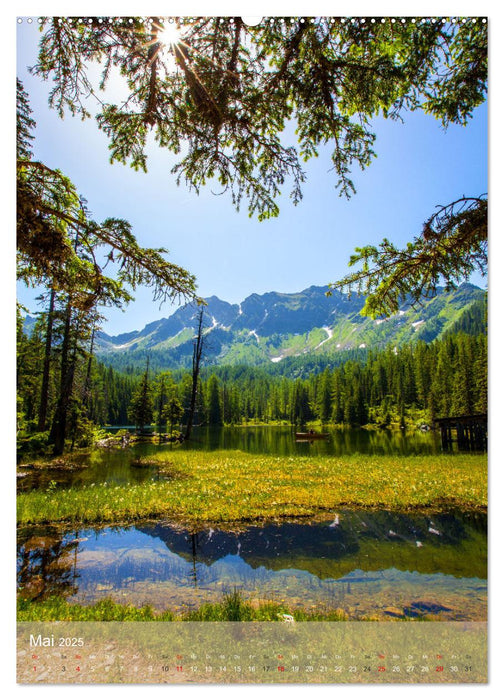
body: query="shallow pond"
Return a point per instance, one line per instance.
(366, 563)
(115, 466)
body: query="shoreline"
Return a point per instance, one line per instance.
(239, 525)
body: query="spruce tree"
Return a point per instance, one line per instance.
(214, 410)
(141, 409)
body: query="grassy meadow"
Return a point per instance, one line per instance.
(222, 487)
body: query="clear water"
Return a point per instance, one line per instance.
(366, 563)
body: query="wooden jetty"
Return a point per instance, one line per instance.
(471, 432)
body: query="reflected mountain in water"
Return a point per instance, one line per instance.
(451, 544)
(361, 553)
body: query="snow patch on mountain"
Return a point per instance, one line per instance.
(124, 345)
(330, 334)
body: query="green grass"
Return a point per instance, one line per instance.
(56, 608)
(232, 608)
(236, 486)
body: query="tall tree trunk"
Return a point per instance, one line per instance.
(86, 394)
(196, 361)
(44, 392)
(59, 426)
(71, 370)
(161, 403)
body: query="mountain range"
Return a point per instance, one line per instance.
(271, 327)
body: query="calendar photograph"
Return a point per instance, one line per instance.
(251, 341)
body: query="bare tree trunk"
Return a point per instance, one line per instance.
(86, 394)
(58, 429)
(44, 392)
(71, 370)
(59, 424)
(196, 362)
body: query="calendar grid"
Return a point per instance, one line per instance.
(391, 652)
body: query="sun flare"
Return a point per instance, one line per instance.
(169, 34)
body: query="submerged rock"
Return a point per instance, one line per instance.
(422, 607)
(32, 589)
(114, 441)
(41, 542)
(61, 564)
(393, 612)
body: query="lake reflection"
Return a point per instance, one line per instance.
(280, 440)
(367, 563)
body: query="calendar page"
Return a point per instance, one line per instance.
(252, 349)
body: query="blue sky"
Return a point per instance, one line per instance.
(419, 166)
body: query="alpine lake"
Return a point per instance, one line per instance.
(368, 563)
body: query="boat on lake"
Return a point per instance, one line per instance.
(312, 436)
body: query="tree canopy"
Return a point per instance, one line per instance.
(221, 96)
(452, 245)
(60, 245)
